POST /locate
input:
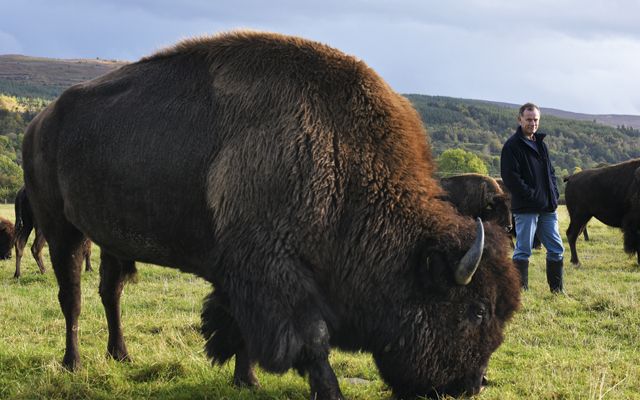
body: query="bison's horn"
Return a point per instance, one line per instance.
(469, 263)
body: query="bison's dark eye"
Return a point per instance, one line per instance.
(480, 314)
(477, 313)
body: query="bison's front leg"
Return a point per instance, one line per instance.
(113, 272)
(323, 381)
(314, 359)
(243, 374)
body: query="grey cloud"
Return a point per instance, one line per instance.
(562, 53)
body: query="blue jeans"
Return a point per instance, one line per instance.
(546, 224)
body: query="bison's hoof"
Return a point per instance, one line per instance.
(246, 382)
(118, 354)
(71, 363)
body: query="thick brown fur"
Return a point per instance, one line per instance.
(478, 196)
(612, 195)
(292, 177)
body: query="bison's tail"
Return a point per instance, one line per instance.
(220, 330)
(21, 205)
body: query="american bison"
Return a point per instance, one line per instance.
(478, 196)
(297, 182)
(612, 195)
(7, 232)
(25, 223)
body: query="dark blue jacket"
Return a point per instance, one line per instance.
(526, 171)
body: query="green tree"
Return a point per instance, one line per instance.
(10, 179)
(458, 161)
(10, 103)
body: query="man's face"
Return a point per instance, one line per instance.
(529, 121)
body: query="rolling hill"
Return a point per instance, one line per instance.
(579, 140)
(24, 76)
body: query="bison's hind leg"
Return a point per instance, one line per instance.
(65, 247)
(576, 225)
(21, 236)
(631, 230)
(113, 274)
(36, 250)
(224, 339)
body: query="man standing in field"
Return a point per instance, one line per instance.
(527, 172)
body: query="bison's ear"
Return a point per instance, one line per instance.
(486, 193)
(437, 271)
(496, 200)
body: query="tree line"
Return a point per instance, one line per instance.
(15, 115)
(481, 128)
(465, 135)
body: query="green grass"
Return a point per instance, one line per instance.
(582, 345)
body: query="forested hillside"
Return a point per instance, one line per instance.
(478, 127)
(481, 128)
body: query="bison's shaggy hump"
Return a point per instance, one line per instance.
(292, 177)
(337, 93)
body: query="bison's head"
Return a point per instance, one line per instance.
(6, 239)
(441, 339)
(498, 210)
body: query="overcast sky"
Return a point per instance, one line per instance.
(575, 55)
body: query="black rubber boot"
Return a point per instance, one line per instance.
(523, 269)
(554, 276)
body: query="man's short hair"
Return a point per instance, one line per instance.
(528, 106)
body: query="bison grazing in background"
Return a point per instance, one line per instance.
(478, 196)
(536, 241)
(612, 195)
(294, 179)
(24, 225)
(7, 232)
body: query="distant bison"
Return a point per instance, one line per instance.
(478, 196)
(294, 179)
(536, 242)
(6, 238)
(24, 225)
(612, 195)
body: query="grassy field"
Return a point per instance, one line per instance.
(582, 345)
